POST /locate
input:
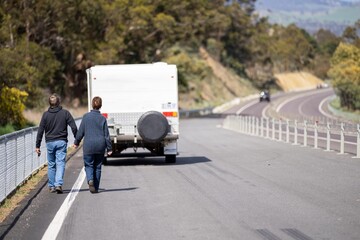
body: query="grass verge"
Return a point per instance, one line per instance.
(13, 200)
(343, 112)
(8, 128)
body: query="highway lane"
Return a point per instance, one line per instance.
(310, 105)
(255, 108)
(225, 185)
(307, 104)
(250, 108)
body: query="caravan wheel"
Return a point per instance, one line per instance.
(153, 126)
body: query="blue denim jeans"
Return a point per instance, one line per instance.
(93, 163)
(56, 154)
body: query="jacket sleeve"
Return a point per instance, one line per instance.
(70, 121)
(80, 133)
(107, 137)
(40, 131)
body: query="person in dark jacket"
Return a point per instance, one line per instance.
(94, 130)
(54, 122)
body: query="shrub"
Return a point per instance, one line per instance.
(8, 128)
(12, 105)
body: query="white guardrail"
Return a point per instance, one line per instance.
(18, 160)
(340, 137)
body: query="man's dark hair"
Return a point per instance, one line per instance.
(97, 103)
(54, 100)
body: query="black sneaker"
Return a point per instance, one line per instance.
(92, 187)
(52, 189)
(58, 190)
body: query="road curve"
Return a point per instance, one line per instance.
(306, 104)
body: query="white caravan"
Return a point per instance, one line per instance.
(140, 102)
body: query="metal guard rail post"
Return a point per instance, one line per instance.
(334, 133)
(18, 160)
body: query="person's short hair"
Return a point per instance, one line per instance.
(96, 103)
(54, 100)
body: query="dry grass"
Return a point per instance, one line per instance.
(229, 82)
(297, 81)
(12, 201)
(21, 192)
(34, 116)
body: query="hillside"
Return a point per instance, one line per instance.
(297, 81)
(224, 85)
(221, 86)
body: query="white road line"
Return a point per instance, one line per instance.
(292, 99)
(301, 107)
(245, 107)
(53, 229)
(322, 111)
(297, 97)
(263, 112)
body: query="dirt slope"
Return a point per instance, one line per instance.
(297, 81)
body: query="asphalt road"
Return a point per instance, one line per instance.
(225, 185)
(309, 104)
(304, 104)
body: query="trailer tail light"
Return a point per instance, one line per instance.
(170, 114)
(105, 115)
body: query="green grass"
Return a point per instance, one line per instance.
(336, 103)
(344, 112)
(8, 128)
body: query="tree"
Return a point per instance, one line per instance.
(327, 41)
(345, 74)
(237, 37)
(325, 45)
(261, 66)
(291, 50)
(350, 34)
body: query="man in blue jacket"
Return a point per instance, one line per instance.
(54, 122)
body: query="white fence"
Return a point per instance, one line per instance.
(340, 137)
(18, 159)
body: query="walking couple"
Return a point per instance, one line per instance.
(93, 129)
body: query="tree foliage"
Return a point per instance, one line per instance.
(345, 72)
(12, 104)
(49, 44)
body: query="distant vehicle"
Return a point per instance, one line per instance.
(322, 85)
(264, 96)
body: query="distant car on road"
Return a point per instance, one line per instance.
(265, 96)
(322, 85)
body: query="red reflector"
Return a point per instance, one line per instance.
(170, 114)
(105, 115)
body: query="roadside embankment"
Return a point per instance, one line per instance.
(297, 81)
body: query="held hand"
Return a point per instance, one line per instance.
(37, 150)
(74, 146)
(109, 153)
